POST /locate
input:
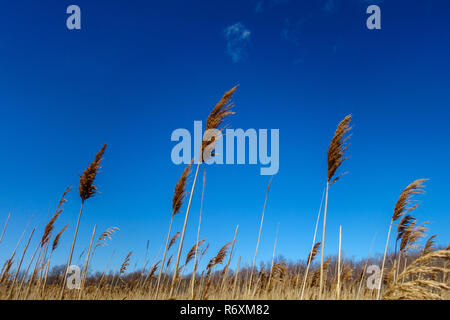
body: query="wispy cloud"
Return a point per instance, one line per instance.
(238, 37)
(263, 4)
(291, 31)
(259, 7)
(329, 6)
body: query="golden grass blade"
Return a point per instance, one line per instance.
(402, 206)
(177, 202)
(4, 228)
(216, 118)
(335, 157)
(86, 190)
(198, 236)
(86, 264)
(259, 237)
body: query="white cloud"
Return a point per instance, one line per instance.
(329, 6)
(261, 5)
(238, 37)
(291, 31)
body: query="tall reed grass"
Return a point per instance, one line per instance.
(412, 271)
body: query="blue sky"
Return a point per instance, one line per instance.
(137, 70)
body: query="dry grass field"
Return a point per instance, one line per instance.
(408, 271)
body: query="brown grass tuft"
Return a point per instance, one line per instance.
(337, 149)
(429, 245)
(105, 236)
(218, 115)
(87, 188)
(125, 264)
(403, 225)
(313, 253)
(420, 288)
(412, 234)
(58, 237)
(404, 204)
(194, 250)
(180, 190)
(219, 258)
(50, 225)
(172, 241)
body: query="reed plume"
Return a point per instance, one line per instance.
(169, 261)
(406, 233)
(153, 270)
(86, 189)
(337, 148)
(58, 237)
(173, 240)
(194, 251)
(104, 237)
(126, 263)
(403, 205)
(215, 120)
(177, 202)
(54, 247)
(203, 252)
(335, 157)
(429, 245)
(218, 259)
(412, 234)
(313, 253)
(180, 190)
(50, 225)
(403, 225)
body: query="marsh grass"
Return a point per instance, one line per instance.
(414, 272)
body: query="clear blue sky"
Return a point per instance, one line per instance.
(138, 69)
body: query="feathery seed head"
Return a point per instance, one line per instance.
(219, 258)
(50, 225)
(58, 237)
(105, 236)
(337, 149)
(180, 190)
(172, 241)
(429, 245)
(313, 252)
(216, 118)
(403, 225)
(404, 204)
(87, 188)
(125, 264)
(194, 250)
